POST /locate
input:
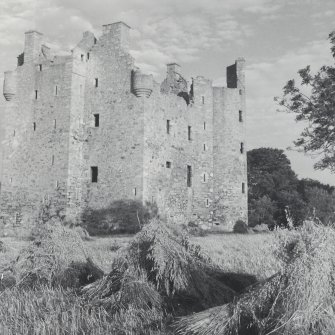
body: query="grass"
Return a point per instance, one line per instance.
(52, 310)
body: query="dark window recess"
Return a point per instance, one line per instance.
(96, 82)
(204, 147)
(168, 126)
(189, 175)
(168, 165)
(203, 100)
(96, 120)
(82, 57)
(56, 90)
(207, 202)
(204, 177)
(20, 59)
(34, 126)
(14, 133)
(55, 123)
(240, 91)
(53, 160)
(204, 125)
(88, 56)
(189, 133)
(36, 94)
(243, 187)
(135, 191)
(40, 67)
(94, 174)
(240, 116)
(242, 147)
(95, 40)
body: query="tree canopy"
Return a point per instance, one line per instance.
(313, 100)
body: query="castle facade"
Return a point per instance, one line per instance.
(90, 128)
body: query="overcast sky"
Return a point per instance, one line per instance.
(204, 36)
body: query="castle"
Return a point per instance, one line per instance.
(90, 128)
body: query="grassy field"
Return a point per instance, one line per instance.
(252, 254)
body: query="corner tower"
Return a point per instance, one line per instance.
(229, 148)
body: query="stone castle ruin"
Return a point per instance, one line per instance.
(90, 128)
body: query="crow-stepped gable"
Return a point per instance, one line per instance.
(90, 128)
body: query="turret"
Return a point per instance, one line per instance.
(9, 85)
(236, 74)
(142, 84)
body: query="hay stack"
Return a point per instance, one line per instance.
(299, 300)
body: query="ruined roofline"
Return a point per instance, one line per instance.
(33, 31)
(118, 22)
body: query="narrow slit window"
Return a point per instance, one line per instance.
(204, 125)
(88, 56)
(34, 126)
(56, 90)
(96, 120)
(96, 82)
(205, 148)
(95, 40)
(240, 91)
(243, 188)
(94, 174)
(56, 184)
(55, 123)
(82, 57)
(242, 147)
(40, 67)
(189, 133)
(135, 191)
(189, 175)
(203, 100)
(168, 126)
(36, 94)
(52, 160)
(168, 165)
(204, 177)
(240, 116)
(207, 202)
(14, 133)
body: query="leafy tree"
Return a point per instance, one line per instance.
(314, 101)
(272, 188)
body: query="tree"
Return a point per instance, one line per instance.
(272, 187)
(314, 101)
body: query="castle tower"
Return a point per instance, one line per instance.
(229, 148)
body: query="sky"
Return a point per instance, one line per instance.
(276, 37)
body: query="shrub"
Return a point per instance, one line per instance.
(261, 228)
(120, 217)
(240, 227)
(297, 300)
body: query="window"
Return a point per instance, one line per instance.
(189, 133)
(52, 160)
(204, 125)
(56, 184)
(36, 94)
(203, 100)
(189, 175)
(55, 124)
(207, 202)
(96, 120)
(34, 126)
(94, 174)
(168, 165)
(82, 57)
(204, 177)
(168, 126)
(14, 133)
(205, 148)
(95, 40)
(240, 91)
(88, 56)
(242, 147)
(56, 90)
(96, 82)
(40, 67)
(135, 191)
(240, 116)
(243, 188)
